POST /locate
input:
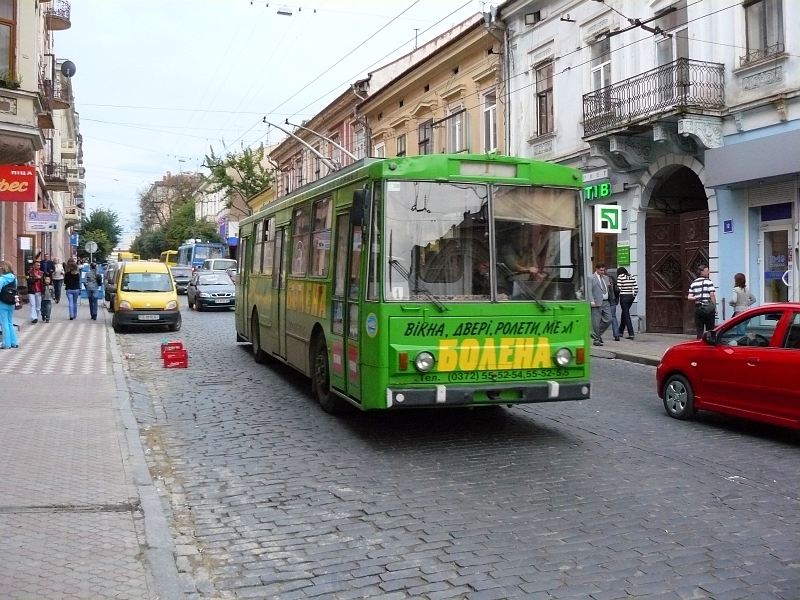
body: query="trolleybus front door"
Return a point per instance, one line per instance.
(343, 341)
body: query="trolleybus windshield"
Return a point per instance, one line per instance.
(440, 242)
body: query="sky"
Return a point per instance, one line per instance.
(158, 82)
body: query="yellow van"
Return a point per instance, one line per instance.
(144, 294)
(170, 258)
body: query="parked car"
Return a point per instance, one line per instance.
(182, 276)
(218, 264)
(110, 279)
(747, 367)
(211, 289)
(144, 294)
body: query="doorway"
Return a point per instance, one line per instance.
(676, 244)
(778, 277)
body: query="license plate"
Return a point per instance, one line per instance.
(222, 300)
(148, 317)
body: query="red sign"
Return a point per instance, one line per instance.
(17, 183)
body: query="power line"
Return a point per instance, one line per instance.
(347, 54)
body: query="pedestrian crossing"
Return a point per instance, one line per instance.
(58, 348)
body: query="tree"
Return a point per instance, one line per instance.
(163, 198)
(99, 237)
(243, 173)
(105, 220)
(182, 226)
(150, 244)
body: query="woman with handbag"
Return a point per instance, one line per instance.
(7, 278)
(704, 294)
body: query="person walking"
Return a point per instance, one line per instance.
(58, 279)
(742, 298)
(47, 298)
(704, 294)
(601, 309)
(7, 277)
(628, 289)
(35, 282)
(72, 285)
(91, 282)
(47, 265)
(613, 301)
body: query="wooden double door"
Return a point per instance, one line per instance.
(675, 246)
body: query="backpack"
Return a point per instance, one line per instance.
(8, 294)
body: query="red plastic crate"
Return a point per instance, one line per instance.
(170, 347)
(176, 359)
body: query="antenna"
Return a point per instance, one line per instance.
(327, 161)
(330, 141)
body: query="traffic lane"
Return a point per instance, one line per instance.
(558, 496)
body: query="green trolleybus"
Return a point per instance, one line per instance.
(423, 281)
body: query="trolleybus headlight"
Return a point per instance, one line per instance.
(424, 362)
(563, 357)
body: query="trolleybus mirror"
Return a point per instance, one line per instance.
(359, 212)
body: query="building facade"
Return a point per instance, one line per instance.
(451, 101)
(40, 143)
(642, 111)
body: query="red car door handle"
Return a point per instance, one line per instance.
(752, 362)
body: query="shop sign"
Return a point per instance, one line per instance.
(42, 221)
(607, 218)
(623, 254)
(17, 183)
(593, 192)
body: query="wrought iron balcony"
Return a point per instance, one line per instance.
(57, 15)
(679, 85)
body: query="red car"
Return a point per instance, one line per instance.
(748, 367)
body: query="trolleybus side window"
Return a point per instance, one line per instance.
(321, 238)
(373, 274)
(257, 247)
(301, 228)
(268, 247)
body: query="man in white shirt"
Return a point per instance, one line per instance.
(601, 308)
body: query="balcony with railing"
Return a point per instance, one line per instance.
(57, 15)
(759, 54)
(55, 176)
(681, 85)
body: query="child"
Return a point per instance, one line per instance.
(48, 293)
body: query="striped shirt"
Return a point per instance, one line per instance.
(702, 288)
(627, 285)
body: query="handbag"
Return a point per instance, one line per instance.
(705, 309)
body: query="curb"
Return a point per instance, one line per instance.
(160, 550)
(641, 359)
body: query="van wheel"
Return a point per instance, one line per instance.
(115, 324)
(175, 326)
(111, 304)
(255, 338)
(321, 379)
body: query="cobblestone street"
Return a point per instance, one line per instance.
(270, 497)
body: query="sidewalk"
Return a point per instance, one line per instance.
(79, 515)
(646, 348)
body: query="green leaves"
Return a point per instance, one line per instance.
(244, 173)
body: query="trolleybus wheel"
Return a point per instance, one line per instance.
(255, 338)
(321, 379)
